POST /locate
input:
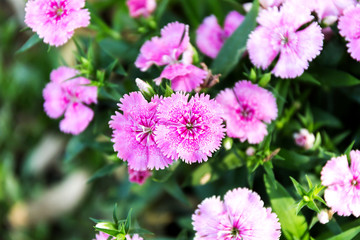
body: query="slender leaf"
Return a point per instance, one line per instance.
(32, 41)
(106, 170)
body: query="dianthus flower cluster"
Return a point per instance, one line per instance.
(153, 134)
(68, 93)
(56, 20)
(241, 216)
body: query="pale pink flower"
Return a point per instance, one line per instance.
(56, 20)
(210, 37)
(278, 34)
(166, 49)
(241, 216)
(191, 130)
(68, 93)
(324, 216)
(246, 108)
(102, 236)
(270, 3)
(133, 133)
(342, 194)
(139, 8)
(134, 237)
(349, 28)
(138, 177)
(304, 139)
(329, 9)
(183, 77)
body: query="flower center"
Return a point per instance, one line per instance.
(144, 135)
(235, 232)
(57, 9)
(354, 182)
(190, 126)
(246, 112)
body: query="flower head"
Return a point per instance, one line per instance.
(246, 108)
(102, 236)
(279, 34)
(68, 93)
(56, 20)
(191, 130)
(304, 139)
(342, 194)
(166, 49)
(133, 133)
(241, 216)
(138, 177)
(139, 8)
(210, 37)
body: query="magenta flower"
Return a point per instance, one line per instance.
(133, 133)
(304, 139)
(349, 28)
(241, 216)
(56, 20)
(278, 34)
(68, 93)
(190, 130)
(102, 236)
(139, 8)
(138, 177)
(246, 108)
(183, 77)
(342, 194)
(210, 37)
(166, 49)
(134, 237)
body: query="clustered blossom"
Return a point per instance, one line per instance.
(304, 139)
(139, 8)
(68, 93)
(342, 194)
(138, 177)
(56, 20)
(246, 107)
(210, 37)
(279, 34)
(349, 28)
(241, 216)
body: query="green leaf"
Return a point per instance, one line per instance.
(348, 235)
(73, 148)
(295, 161)
(164, 174)
(308, 78)
(293, 226)
(173, 188)
(349, 148)
(116, 220)
(299, 189)
(106, 170)
(32, 41)
(128, 221)
(335, 78)
(235, 45)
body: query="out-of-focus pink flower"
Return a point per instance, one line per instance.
(191, 130)
(183, 77)
(56, 20)
(139, 8)
(349, 28)
(102, 236)
(138, 177)
(68, 93)
(329, 10)
(133, 133)
(270, 3)
(210, 37)
(166, 49)
(325, 216)
(342, 194)
(278, 34)
(246, 108)
(304, 139)
(241, 215)
(134, 237)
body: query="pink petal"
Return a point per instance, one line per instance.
(77, 118)
(232, 22)
(55, 100)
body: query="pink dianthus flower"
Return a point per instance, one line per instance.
(304, 139)
(342, 194)
(68, 93)
(56, 20)
(241, 216)
(166, 49)
(191, 130)
(246, 108)
(349, 28)
(279, 34)
(133, 133)
(138, 177)
(210, 37)
(139, 8)
(102, 236)
(329, 9)
(134, 237)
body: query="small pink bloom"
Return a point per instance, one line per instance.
(56, 20)
(191, 130)
(68, 93)
(166, 49)
(278, 34)
(329, 9)
(134, 237)
(133, 133)
(342, 194)
(304, 139)
(138, 177)
(210, 37)
(102, 236)
(349, 28)
(246, 108)
(271, 3)
(139, 8)
(183, 77)
(241, 215)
